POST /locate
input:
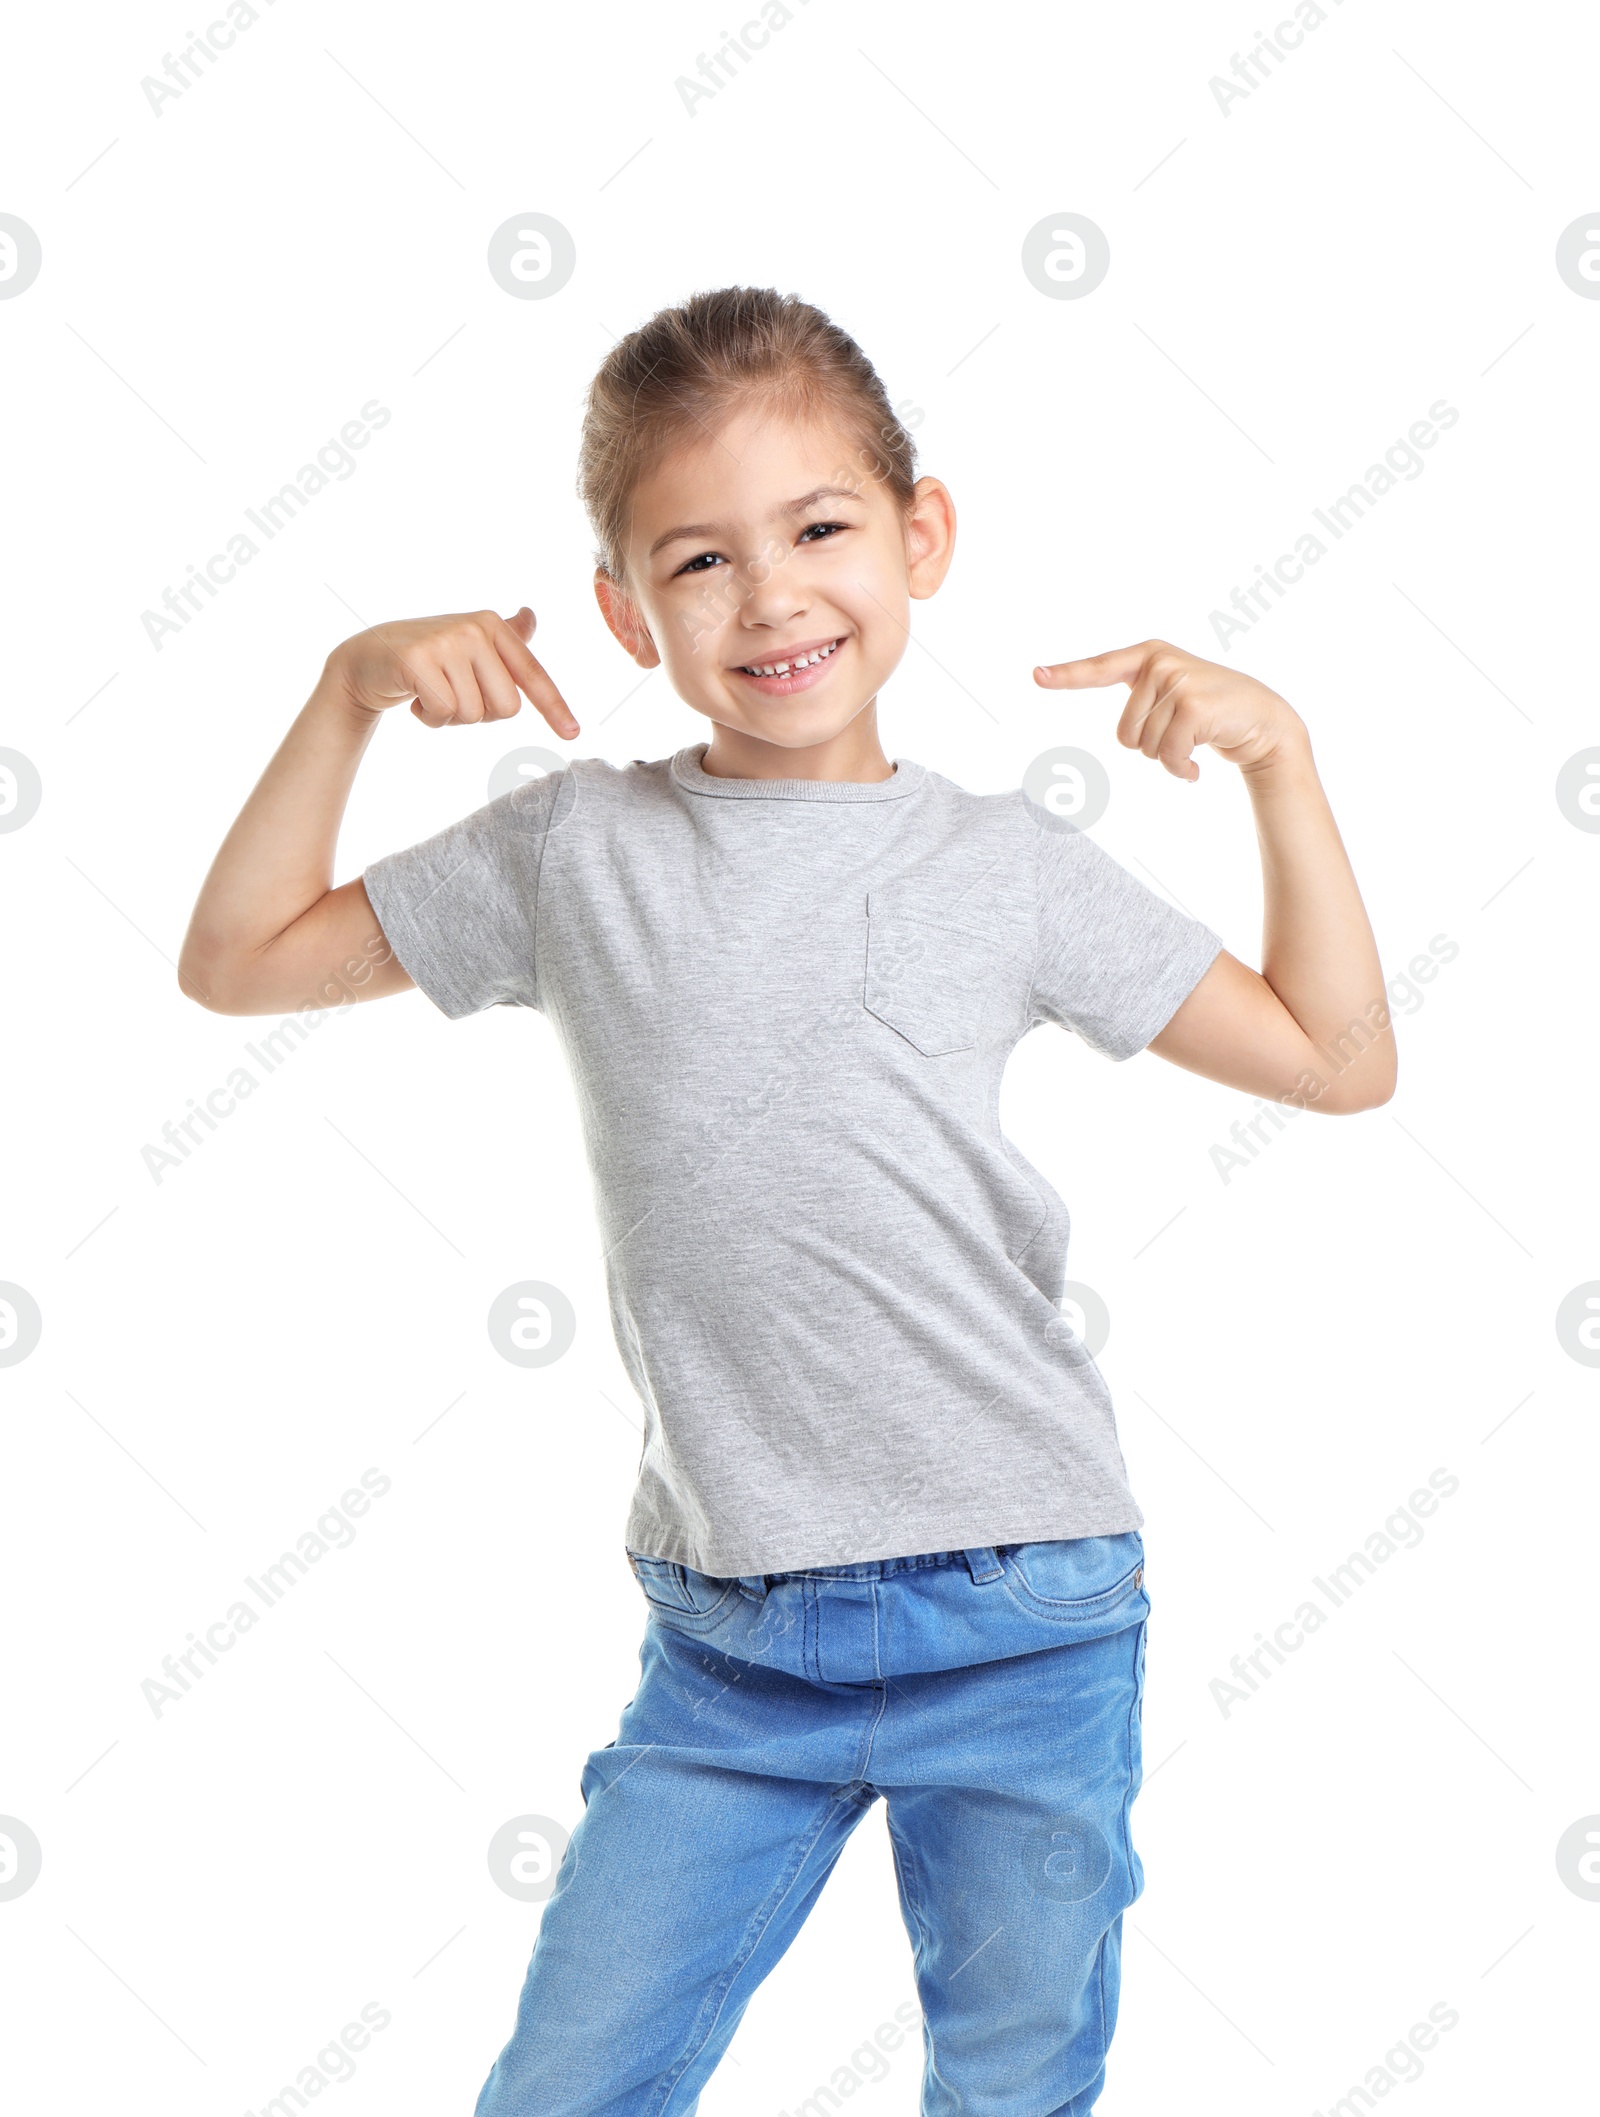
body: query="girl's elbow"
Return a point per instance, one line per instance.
(1367, 1086)
(209, 982)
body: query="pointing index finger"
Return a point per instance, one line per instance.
(1120, 666)
(532, 678)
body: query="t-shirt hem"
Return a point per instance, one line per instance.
(411, 948)
(919, 1538)
(1165, 998)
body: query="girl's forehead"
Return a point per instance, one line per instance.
(754, 462)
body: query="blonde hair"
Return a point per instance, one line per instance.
(686, 369)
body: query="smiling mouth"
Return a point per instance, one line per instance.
(792, 664)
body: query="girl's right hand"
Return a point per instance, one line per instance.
(456, 671)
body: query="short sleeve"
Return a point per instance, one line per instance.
(460, 909)
(1114, 961)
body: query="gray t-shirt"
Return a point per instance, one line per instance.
(786, 1006)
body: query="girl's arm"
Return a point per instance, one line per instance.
(1312, 1026)
(270, 934)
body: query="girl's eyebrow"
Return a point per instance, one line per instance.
(790, 507)
(823, 492)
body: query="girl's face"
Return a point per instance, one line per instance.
(772, 573)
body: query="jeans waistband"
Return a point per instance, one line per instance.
(982, 1562)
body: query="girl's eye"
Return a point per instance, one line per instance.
(703, 561)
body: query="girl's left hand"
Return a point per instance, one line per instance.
(1176, 702)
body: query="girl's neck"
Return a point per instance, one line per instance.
(853, 753)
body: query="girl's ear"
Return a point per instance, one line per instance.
(930, 536)
(621, 613)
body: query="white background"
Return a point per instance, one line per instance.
(1292, 1352)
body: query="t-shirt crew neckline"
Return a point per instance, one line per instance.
(689, 773)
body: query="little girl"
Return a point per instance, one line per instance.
(882, 1522)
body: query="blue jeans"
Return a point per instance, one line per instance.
(992, 1698)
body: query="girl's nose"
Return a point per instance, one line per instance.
(771, 594)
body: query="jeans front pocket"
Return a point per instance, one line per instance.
(1076, 1579)
(927, 980)
(679, 1591)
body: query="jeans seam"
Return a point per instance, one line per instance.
(711, 2011)
(1133, 1711)
(1105, 2040)
(904, 1863)
(876, 1722)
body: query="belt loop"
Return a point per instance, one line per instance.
(983, 1563)
(753, 1586)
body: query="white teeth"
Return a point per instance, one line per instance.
(801, 661)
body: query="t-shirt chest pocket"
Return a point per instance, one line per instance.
(930, 981)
